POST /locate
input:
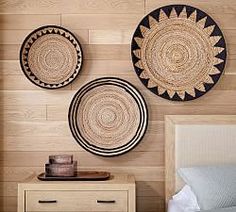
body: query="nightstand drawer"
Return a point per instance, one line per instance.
(76, 201)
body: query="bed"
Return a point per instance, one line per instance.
(196, 140)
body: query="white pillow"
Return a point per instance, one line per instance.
(214, 186)
(184, 201)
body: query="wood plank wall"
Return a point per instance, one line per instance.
(34, 121)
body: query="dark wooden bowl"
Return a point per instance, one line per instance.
(60, 159)
(61, 170)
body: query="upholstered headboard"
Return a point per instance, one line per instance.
(197, 140)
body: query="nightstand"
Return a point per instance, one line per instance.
(116, 194)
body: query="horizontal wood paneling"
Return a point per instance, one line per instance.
(8, 189)
(93, 51)
(17, 36)
(26, 113)
(20, 82)
(209, 6)
(150, 143)
(10, 67)
(214, 97)
(98, 67)
(34, 121)
(110, 36)
(74, 6)
(22, 22)
(106, 52)
(54, 128)
(101, 21)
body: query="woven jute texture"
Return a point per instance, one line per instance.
(51, 57)
(178, 52)
(108, 116)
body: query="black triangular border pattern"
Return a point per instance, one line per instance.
(200, 14)
(32, 37)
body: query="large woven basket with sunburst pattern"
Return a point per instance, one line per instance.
(178, 52)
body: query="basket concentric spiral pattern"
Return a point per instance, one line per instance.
(178, 52)
(51, 57)
(108, 116)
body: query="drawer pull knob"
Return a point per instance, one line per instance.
(106, 201)
(47, 201)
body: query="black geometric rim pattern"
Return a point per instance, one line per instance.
(201, 18)
(76, 128)
(30, 40)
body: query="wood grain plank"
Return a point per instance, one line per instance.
(18, 36)
(110, 36)
(41, 97)
(93, 51)
(110, 67)
(9, 51)
(90, 67)
(20, 82)
(10, 67)
(227, 82)
(159, 112)
(13, 36)
(106, 52)
(21, 159)
(145, 173)
(23, 113)
(82, 35)
(231, 57)
(8, 189)
(28, 128)
(54, 128)
(101, 21)
(150, 143)
(22, 22)
(230, 67)
(75, 6)
(210, 6)
(230, 36)
(213, 97)
(21, 144)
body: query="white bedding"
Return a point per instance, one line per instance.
(184, 201)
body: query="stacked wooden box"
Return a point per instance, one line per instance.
(61, 166)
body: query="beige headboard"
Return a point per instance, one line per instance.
(197, 140)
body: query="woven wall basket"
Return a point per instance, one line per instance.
(178, 52)
(51, 57)
(108, 116)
